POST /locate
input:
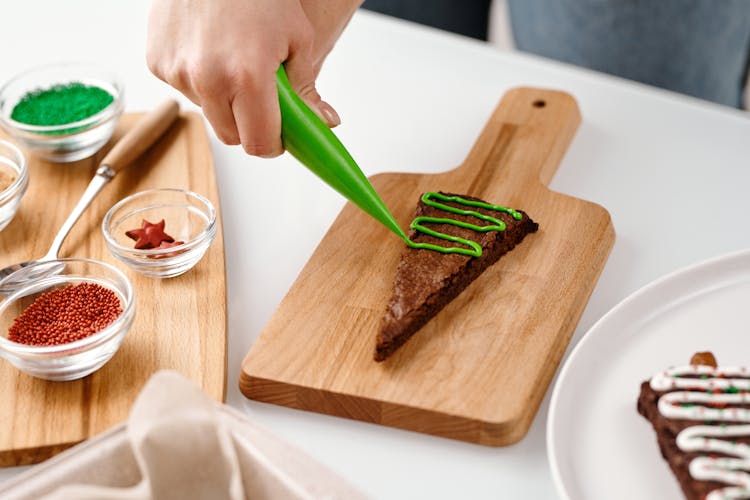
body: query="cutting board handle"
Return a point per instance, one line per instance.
(524, 139)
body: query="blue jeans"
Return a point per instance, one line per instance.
(697, 47)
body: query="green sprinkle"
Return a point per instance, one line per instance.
(687, 405)
(732, 389)
(704, 377)
(61, 104)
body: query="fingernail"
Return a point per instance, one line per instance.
(331, 117)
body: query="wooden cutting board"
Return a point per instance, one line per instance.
(478, 370)
(180, 323)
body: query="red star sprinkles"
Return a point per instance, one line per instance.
(149, 235)
(167, 244)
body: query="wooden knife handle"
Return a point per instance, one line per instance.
(145, 133)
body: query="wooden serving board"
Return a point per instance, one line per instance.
(478, 370)
(180, 323)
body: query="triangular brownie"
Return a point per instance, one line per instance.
(427, 280)
(701, 415)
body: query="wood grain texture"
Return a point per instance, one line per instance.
(478, 370)
(180, 323)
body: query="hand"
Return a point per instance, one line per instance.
(223, 56)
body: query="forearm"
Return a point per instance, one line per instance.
(328, 18)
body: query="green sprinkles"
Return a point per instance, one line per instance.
(61, 104)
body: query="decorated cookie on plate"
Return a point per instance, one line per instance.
(701, 415)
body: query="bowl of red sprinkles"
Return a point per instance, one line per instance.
(67, 320)
(161, 233)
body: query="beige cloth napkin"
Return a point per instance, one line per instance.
(183, 445)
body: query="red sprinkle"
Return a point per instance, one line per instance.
(65, 315)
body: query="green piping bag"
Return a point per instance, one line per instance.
(310, 140)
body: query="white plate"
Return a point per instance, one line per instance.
(599, 447)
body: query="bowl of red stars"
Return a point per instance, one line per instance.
(161, 233)
(67, 319)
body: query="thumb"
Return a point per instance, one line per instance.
(299, 69)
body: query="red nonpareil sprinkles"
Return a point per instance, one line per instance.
(65, 315)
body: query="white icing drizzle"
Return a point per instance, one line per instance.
(669, 379)
(697, 395)
(669, 406)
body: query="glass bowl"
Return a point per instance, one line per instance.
(71, 141)
(76, 359)
(13, 166)
(189, 218)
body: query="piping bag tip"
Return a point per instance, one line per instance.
(310, 140)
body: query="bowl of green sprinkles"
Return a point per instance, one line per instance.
(62, 112)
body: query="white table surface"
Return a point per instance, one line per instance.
(673, 171)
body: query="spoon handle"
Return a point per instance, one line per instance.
(142, 136)
(101, 178)
(128, 148)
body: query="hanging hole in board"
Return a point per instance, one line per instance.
(539, 103)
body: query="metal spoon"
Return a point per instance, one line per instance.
(128, 148)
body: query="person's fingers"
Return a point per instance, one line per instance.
(219, 113)
(332, 118)
(174, 74)
(301, 73)
(210, 87)
(257, 115)
(178, 77)
(229, 68)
